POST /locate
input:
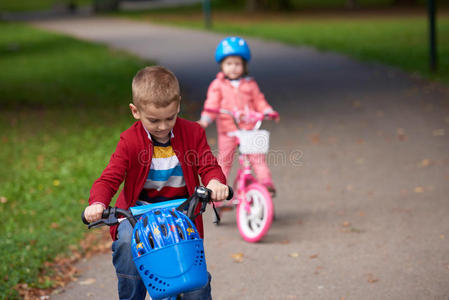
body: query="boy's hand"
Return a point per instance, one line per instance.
(93, 212)
(203, 124)
(219, 190)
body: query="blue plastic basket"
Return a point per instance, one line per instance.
(187, 272)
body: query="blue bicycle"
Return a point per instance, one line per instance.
(166, 246)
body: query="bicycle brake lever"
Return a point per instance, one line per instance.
(96, 224)
(217, 215)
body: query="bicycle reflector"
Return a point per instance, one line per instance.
(168, 253)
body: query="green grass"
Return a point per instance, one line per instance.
(64, 104)
(393, 38)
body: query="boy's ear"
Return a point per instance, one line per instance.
(135, 112)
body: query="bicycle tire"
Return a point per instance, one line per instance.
(255, 225)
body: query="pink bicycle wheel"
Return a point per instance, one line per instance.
(255, 216)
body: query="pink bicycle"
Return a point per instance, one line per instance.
(254, 206)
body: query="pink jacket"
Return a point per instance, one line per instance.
(222, 94)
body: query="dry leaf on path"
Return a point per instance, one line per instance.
(313, 256)
(425, 163)
(88, 281)
(294, 255)
(356, 104)
(237, 257)
(372, 279)
(419, 189)
(438, 132)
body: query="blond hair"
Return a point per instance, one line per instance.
(155, 85)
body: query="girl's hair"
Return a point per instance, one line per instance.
(155, 85)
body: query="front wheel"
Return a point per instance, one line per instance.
(255, 213)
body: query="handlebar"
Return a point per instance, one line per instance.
(111, 215)
(248, 116)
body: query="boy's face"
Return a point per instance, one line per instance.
(232, 67)
(159, 121)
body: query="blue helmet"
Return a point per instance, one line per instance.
(168, 253)
(161, 228)
(231, 46)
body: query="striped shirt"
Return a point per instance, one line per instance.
(165, 180)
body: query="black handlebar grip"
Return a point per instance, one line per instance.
(231, 193)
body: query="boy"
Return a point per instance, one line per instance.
(160, 157)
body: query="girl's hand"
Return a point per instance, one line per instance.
(203, 124)
(275, 116)
(93, 212)
(219, 190)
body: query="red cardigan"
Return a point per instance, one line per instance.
(131, 162)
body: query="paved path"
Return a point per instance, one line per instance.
(362, 213)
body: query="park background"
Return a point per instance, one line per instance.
(58, 93)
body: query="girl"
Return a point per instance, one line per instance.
(234, 90)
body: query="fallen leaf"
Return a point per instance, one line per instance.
(238, 257)
(88, 281)
(401, 134)
(313, 256)
(419, 189)
(294, 254)
(442, 236)
(349, 187)
(3, 200)
(315, 138)
(438, 132)
(346, 224)
(54, 225)
(284, 242)
(425, 163)
(56, 182)
(372, 279)
(360, 141)
(360, 161)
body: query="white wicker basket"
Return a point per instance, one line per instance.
(253, 141)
